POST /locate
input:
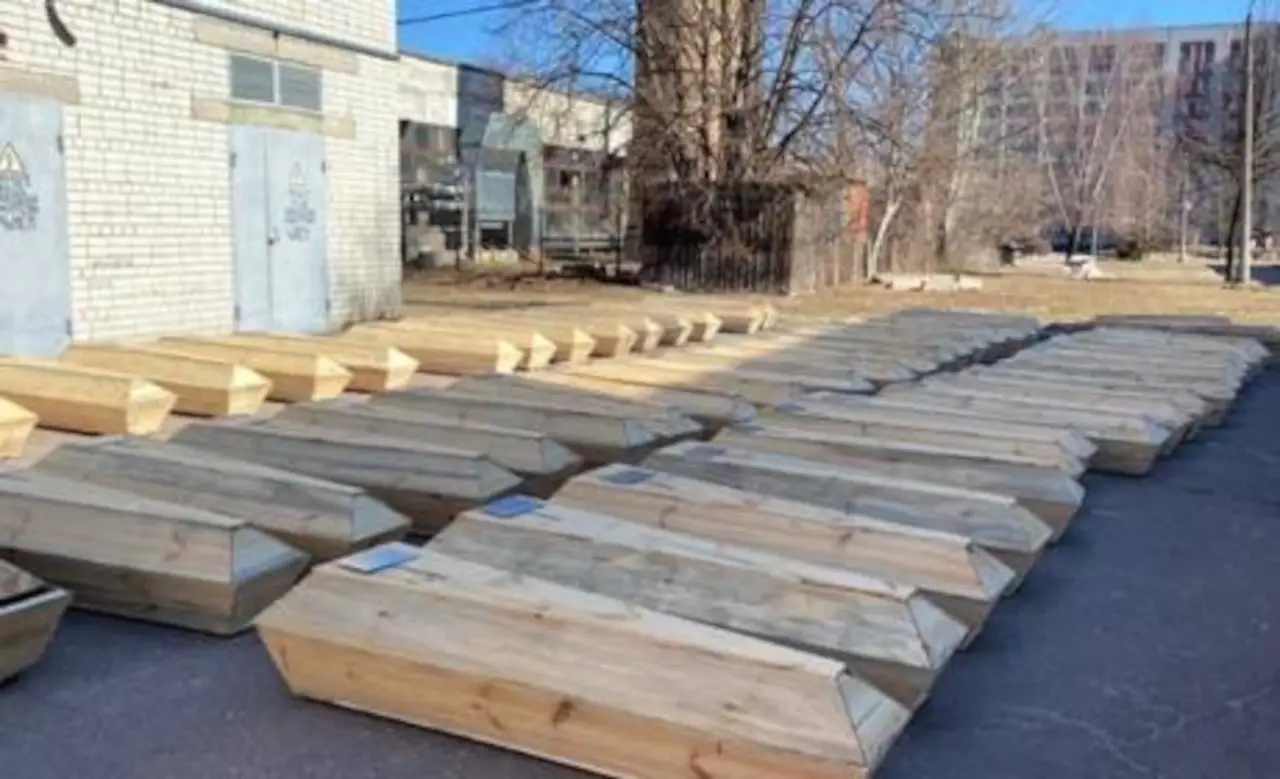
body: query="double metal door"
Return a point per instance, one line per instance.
(279, 196)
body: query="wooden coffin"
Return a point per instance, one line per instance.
(537, 350)
(295, 376)
(1149, 358)
(30, 612)
(1169, 375)
(734, 317)
(452, 355)
(891, 636)
(16, 426)
(598, 433)
(761, 388)
(373, 367)
(568, 343)
(322, 518)
(85, 400)
(543, 463)
(995, 523)
(428, 484)
(835, 369)
(669, 420)
(1218, 393)
(677, 329)
(1247, 355)
(1247, 347)
(955, 573)
(203, 386)
(145, 559)
(1214, 411)
(929, 443)
(1172, 407)
(1051, 494)
(612, 338)
(1126, 444)
(443, 643)
(712, 410)
(1181, 421)
(871, 410)
(868, 363)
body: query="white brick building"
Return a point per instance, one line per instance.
(195, 166)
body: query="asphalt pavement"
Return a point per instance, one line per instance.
(1146, 646)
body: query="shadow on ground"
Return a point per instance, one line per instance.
(1146, 645)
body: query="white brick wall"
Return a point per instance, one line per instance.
(149, 213)
(428, 92)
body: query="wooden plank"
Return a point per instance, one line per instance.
(759, 387)
(295, 376)
(542, 462)
(1051, 494)
(203, 386)
(923, 444)
(16, 427)
(30, 612)
(891, 636)
(428, 484)
(85, 400)
(712, 410)
(144, 559)
(956, 574)
(538, 350)
(373, 367)
(450, 645)
(322, 518)
(597, 431)
(997, 524)
(830, 405)
(1127, 444)
(453, 355)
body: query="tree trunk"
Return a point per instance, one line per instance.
(1231, 271)
(882, 233)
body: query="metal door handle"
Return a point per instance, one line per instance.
(273, 238)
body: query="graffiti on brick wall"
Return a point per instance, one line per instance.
(19, 205)
(299, 216)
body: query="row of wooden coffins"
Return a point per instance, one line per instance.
(756, 590)
(202, 524)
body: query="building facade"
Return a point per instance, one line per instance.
(497, 162)
(1151, 84)
(172, 166)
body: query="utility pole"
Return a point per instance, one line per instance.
(1246, 250)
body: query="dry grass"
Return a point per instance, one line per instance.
(1048, 296)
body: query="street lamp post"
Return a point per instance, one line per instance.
(1246, 184)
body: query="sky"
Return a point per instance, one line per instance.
(469, 38)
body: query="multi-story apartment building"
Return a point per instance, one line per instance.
(1107, 110)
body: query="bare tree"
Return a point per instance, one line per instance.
(1096, 100)
(1210, 120)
